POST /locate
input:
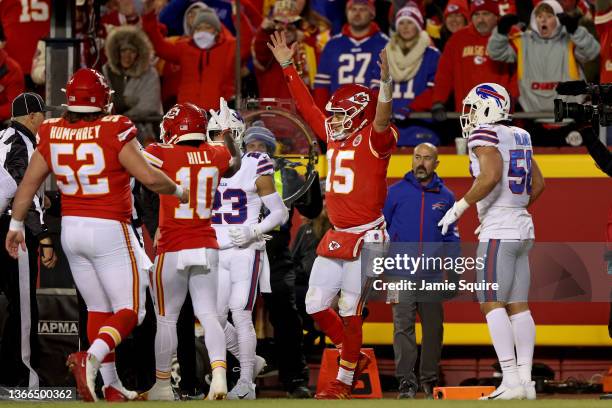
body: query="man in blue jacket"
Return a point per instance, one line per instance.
(413, 209)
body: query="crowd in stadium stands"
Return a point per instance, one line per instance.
(184, 50)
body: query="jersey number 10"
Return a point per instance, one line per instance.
(207, 179)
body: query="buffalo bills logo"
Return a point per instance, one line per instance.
(441, 206)
(488, 92)
(333, 245)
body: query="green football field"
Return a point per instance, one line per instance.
(385, 403)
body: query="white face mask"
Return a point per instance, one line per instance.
(204, 39)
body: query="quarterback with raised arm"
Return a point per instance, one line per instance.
(92, 154)
(507, 180)
(360, 140)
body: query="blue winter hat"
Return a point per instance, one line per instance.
(261, 133)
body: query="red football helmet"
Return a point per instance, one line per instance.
(357, 104)
(184, 121)
(87, 91)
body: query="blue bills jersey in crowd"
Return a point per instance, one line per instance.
(404, 93)
(333, 10)
(345, 60)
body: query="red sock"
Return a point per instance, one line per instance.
(117, 327)
(351, 341)
(331, 324)
(95, 320)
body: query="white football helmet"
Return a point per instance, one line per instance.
(225, 118)
(485, 103)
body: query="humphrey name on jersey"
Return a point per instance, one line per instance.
(83, 133)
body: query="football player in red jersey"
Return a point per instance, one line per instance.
(187, 249)
(360, 140)
(92, 154)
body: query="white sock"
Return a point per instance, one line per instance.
(231, 340)
(165, 347)
(99, 349)
(502, 336)
(247, 342)
(213, 337)
(345, 376)
(109, 373)
(524, 331)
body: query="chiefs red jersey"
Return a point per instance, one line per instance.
(187, 226)
(84, 156)
(356, 183)
(24, 23)
(603, 23)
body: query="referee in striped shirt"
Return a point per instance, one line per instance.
(19, 347)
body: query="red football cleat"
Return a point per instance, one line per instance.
(79, 363)
(118, 393)
(362, 364)
(336, 390)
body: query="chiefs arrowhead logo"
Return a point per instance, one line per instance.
(333, 245)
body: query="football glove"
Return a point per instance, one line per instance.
(453, 214)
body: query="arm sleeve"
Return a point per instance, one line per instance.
(172, 16)
(382, 144)
(305, 104)
(225, 158)
(587, 48)
(278, 212)
(500, 49)
(163, 48)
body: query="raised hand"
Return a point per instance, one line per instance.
(383, 64)
(281, 51)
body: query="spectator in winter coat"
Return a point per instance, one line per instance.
(206, 59)
(350, 57)
(182, 11)
(464, 62)
(134, 80)
(11, 84)
(456, 16)
(128, 70)
(551, 51)
(412, 63)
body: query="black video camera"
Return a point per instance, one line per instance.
(599, 111)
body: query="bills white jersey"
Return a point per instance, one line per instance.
(503, 213)
(236, 200)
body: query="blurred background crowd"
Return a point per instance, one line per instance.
(158, 52)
